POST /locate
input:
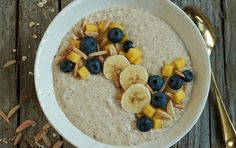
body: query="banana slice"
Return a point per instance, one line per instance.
(135, 98)
(114, 64)
(133, 74)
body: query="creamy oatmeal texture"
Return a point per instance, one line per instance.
(91, 104)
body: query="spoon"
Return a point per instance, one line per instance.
(207, 31)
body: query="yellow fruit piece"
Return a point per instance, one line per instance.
(120, 52)
(101, 26)
(83, 73)
(137, 61)
(73, 57)
(124, 39)
(133, 54)
(179, 96)
(157, 116)
(117, 25)
(75, 43)
(167, 70)
(149, 111)
(157, 123)
(179, 63)
(91, 27)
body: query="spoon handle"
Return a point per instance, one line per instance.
(228, 130)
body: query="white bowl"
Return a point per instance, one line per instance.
(62, 23)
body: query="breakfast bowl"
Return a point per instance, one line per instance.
(79, 9)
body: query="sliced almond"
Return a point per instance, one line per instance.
(65, 51)
(168, 89)
(99, 53)
(117, 46)
(164, 85)
(104, 42)
(58, 144)
(116, 81)
(179, 106)
(83, 55)
(40, 135)
(47, 141)
(179, 73)
(9, 63)
(149, 88)
(164, 114)
(75, 73)
(59, 59)
(101, 59)
(112, 50)
(170, 108)
(47, 126)
(85, 21)
(13, 111)
(81, 33)
(91, 33)
(98, 47)
(24, 125)
(4, 116)
(100, 38)
(105, 26)
(18, 138)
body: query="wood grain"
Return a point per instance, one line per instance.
(8, 77)
(29, 11)
(230, 57)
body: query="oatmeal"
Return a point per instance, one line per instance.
(92, 104)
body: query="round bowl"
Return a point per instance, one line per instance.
(70, 15)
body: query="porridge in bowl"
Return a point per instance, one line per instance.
(122, 76)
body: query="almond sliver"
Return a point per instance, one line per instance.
(99, 53)
(179, 106)
(47, 141)
(179, 73)
(90, 33)
(4, 116)
(13, 111)
(112, 50)
(149, 88)
(101, 59)
(75, 74)
(59, 59)
(170, 108)
(104, 42)
(58, 144)
(164, 114)
(9, 63)
(18, 138)
(85, 21)
(65, 51)
(24, 125)
(83, 55)
(81, 33)
(105, 27)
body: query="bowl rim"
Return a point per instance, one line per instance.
(57, 126)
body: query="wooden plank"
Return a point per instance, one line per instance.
(29, 11)
(230, 57)
(8, 77)
(64, 3)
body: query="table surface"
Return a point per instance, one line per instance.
(17, 83)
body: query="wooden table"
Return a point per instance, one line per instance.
(17, 83)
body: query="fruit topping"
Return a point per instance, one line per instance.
(155, 82)
(167, 70)
(134, 54)
(144, 124)
(73, 57)
(188, 76)
(94, 66)
(88, 45)
(83, 73)
(179, 63)
(115, 35)
(149, 111)
(127, 45)
(179, 96)
(175, 82)
(159, 100)
(135, 98)
(67, 66)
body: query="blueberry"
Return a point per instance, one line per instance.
(67, 66)
(175, 82)
(188, 76)
(94, 66)
(144, 124)
(155, 82)
(128, 44)
(88, 45)
(115, 35)
(159, 100)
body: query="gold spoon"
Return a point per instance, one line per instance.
(207, 31)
